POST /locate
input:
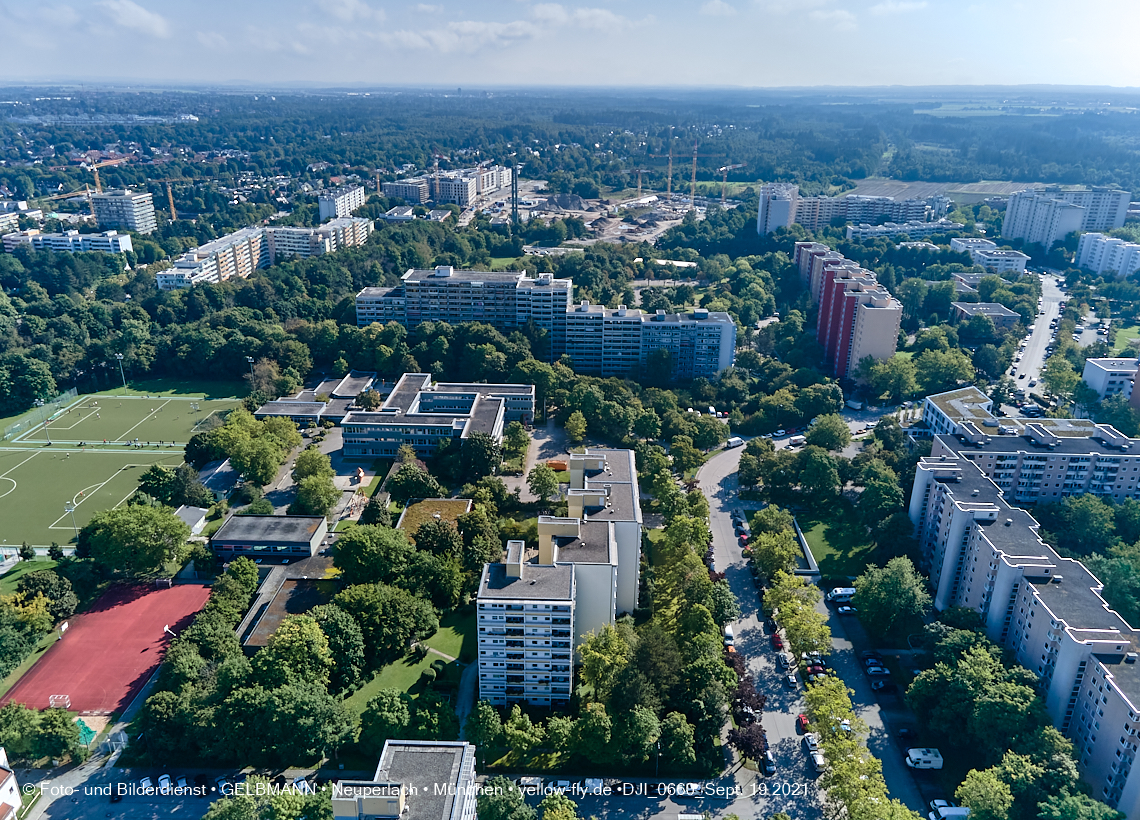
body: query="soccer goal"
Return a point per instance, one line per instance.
(59, 701)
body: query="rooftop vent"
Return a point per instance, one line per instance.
(1009, 522)
(1056, 579)
(1130, 657)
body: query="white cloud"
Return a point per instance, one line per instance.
(718, 8)
(128, 14)
(555, 14)
(351, 10)
(428, 8)
(465, 36)
(897, 6)
(840, 18)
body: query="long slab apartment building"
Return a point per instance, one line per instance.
(781, 205)
(1046, 216)
(535, 607)
(240, 253)
(1048, 610)
(858, 317)
(461, 187)
(604, 341)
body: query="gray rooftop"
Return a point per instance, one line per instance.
(425, 765)
(276, 529)
(376, 293)
(591, 547)
(419, 274)
(286, 407)
(985, 309)
(963, 404)
(619, 466)
(1076, 443)
(352, 385)
(484, 413)
(538, 581)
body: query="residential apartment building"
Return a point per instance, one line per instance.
(857, 316)
(700, 342)
(537, 606)
(1110, 377)
(603, 341)
(423, 415)
(1101, 254)
(382, 305)
(341, 232)
(1002, 317)
(414, 780)
(986, 253)
(914, 229)
(237, 254)
(71, 241)
(130, 210)
(340, 201)
(944, 413)
(462, 189)
(1048, 216)
(415, 191)
(1048, 611)
(777, 207)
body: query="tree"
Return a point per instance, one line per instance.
(376, 511)
(297, 652)
(18, 728)
(677, 739)
(480, 455)
(316, 495)
(484, 727)
(1059, 376)
(57, 735)
(543, 482)
(412, 481)
(388, 715)
(1090, 525)
(685, 455)
(502, 800)
(749, 740)
(1075, 806)
(522, 735)
(312, 462)
(829, 432)
(133, 539)
(775, 551)
(986, 795)
(369, 400)
(709, 432)
(371, 554)
(557, 806)
(592, 732)
(818, 475)
(890, 597)
(895, 378)
(638, 732)
(346, 646)
(938, 370)
(26, 552)
(390, 619)
(54, 587)
(439, 537)
(576, 427)
(257, 460)
(604, 655)
(516, 438)
(647, 425)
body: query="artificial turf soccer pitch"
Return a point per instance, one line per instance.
(38, 480)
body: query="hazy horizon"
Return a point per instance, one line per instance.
(732, 44)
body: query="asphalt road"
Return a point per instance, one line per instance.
(1033, 356)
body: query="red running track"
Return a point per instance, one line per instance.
(110, 651)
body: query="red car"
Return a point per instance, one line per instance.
(777, 641)
(802, 723)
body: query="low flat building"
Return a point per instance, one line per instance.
(996, 260)
(414, 780)
(270, 536)
(401, 213)
(417, 513)
(423, 415)
(1002, 317)
(438, 215)
(304, 413)
(1110, 377)
(193, 517)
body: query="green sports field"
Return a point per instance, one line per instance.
(38, 479)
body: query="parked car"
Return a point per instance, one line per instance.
(782, 661)
(768, 764)
(802, 723)
(811, 741)
(870, 653)
(790, 680)
(146, 783)
(935, 805)
(907, 734)
(777, 641)
(181, 783)
(846, 610)
(884, 687)
(164, 784)
(878, 672)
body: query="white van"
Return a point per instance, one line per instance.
(949, 813)
(796, 441)
(735, 441)
(729, 638)
(924, 758)
(841, 595)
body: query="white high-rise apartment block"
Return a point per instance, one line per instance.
(1110, 377)
(1101, 254)
(342, 232)
(535, 608)
(460, 188)
(340, 201)
(777, 206)
(1048, 611)
(124, 209)
(1046, 217)
(73, 241)
(237, 254)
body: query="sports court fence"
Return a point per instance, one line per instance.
(49, 411)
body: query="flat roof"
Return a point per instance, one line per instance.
(1114, 364)
(352, 385)
(419, 274)
(591, 547)
(426, 509)
(484, 415)
(538, 581)
(375, 293)
(287, 407)
(480, 387)
(277, 529)
(985, 309)
(296, 596)
(433, 767)
(965, 403)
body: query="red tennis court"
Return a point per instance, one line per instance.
(110, 651)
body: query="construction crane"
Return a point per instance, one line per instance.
(693, 183)
(639, 172)
(94, 167)
(170, 201)
(723, 171)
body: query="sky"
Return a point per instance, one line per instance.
(660, 43)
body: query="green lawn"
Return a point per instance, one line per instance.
(402, 675)
(204, 388)
(499, 263)
(45, 643)
(456, 636)
(12, 577)
(1124, 335)
(838, 542)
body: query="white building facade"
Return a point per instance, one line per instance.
(1048, 216)
(1101, 253)
(1110, 377)
(340, 201)
(130, 210)
(71, 241)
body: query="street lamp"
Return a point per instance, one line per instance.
(119, 356)
(657, 767)
(43, 418)
(70, 508)
(250, 360)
